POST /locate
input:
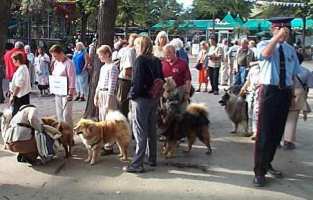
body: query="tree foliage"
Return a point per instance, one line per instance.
(147, 12)
(270, 10)
(208, 9)
(87, 7)
(33, 6)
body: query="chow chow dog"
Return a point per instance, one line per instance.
(237, 110)
(95, 134)
(66, 130)
(193, 123)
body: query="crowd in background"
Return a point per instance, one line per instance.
(130, 70)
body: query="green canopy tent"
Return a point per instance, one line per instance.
(297, 23)
(239, 20)
(164, 25)
(235, 23)
(184, 25)
(257, 25)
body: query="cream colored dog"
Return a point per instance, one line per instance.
(95, 134)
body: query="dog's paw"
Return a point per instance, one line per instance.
(87, 160)
(120, 155)
(92, 162)
(233, 132)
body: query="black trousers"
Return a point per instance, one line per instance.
(122, 95)
(19, 102)
(214, 75)
(273, 110)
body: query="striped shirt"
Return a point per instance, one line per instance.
(108, 78)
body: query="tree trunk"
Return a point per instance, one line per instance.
(83, 29)
(126, 30)
(4, 19)
(105, 31)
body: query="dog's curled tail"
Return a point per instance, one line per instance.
(198, 109)
(114, 115)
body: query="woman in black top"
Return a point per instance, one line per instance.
(143, 106)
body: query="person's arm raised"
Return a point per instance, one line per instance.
(269, 49)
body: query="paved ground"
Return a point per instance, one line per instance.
(226, 174)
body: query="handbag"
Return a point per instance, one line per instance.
(156, 90)
(198, 66)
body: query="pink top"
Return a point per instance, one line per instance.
(65, 68)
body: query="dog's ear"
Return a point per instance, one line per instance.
(44, 120)
(91, 129)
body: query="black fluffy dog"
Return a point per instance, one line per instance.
(193, 123)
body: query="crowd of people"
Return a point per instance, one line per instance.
(265, 72)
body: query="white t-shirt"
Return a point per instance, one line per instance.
(21, 79)
(127, 56)
(59, 69)
(158, 52)
(253, 77)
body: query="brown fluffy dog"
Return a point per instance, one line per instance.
(67, 139)
(95, 134)
(193, 123)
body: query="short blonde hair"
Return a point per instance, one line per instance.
(80, 45)
(132, 38)
(202, 43)
(244, 41)
(145, 45)
(159, 35)
(252, 43)
(177, 43)
(104, 49)
(169, 47)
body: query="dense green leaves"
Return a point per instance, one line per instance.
(207, 9)
(270, 10)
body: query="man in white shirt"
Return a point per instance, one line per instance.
(224, 67)
(231, 55)
(127, 56)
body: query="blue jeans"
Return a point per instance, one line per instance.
(143, 112)
(82, 83)
(240, 76)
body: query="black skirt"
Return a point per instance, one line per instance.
(19, 102)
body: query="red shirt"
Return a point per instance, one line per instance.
(179, 70)
(10, 68)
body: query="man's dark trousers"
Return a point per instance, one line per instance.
(273, 110)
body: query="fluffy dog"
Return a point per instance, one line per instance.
(169, 88)
(66, 139)
(95, 134)
(193, 123)
(237, 110)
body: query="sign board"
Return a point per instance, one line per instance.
(58, 85)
